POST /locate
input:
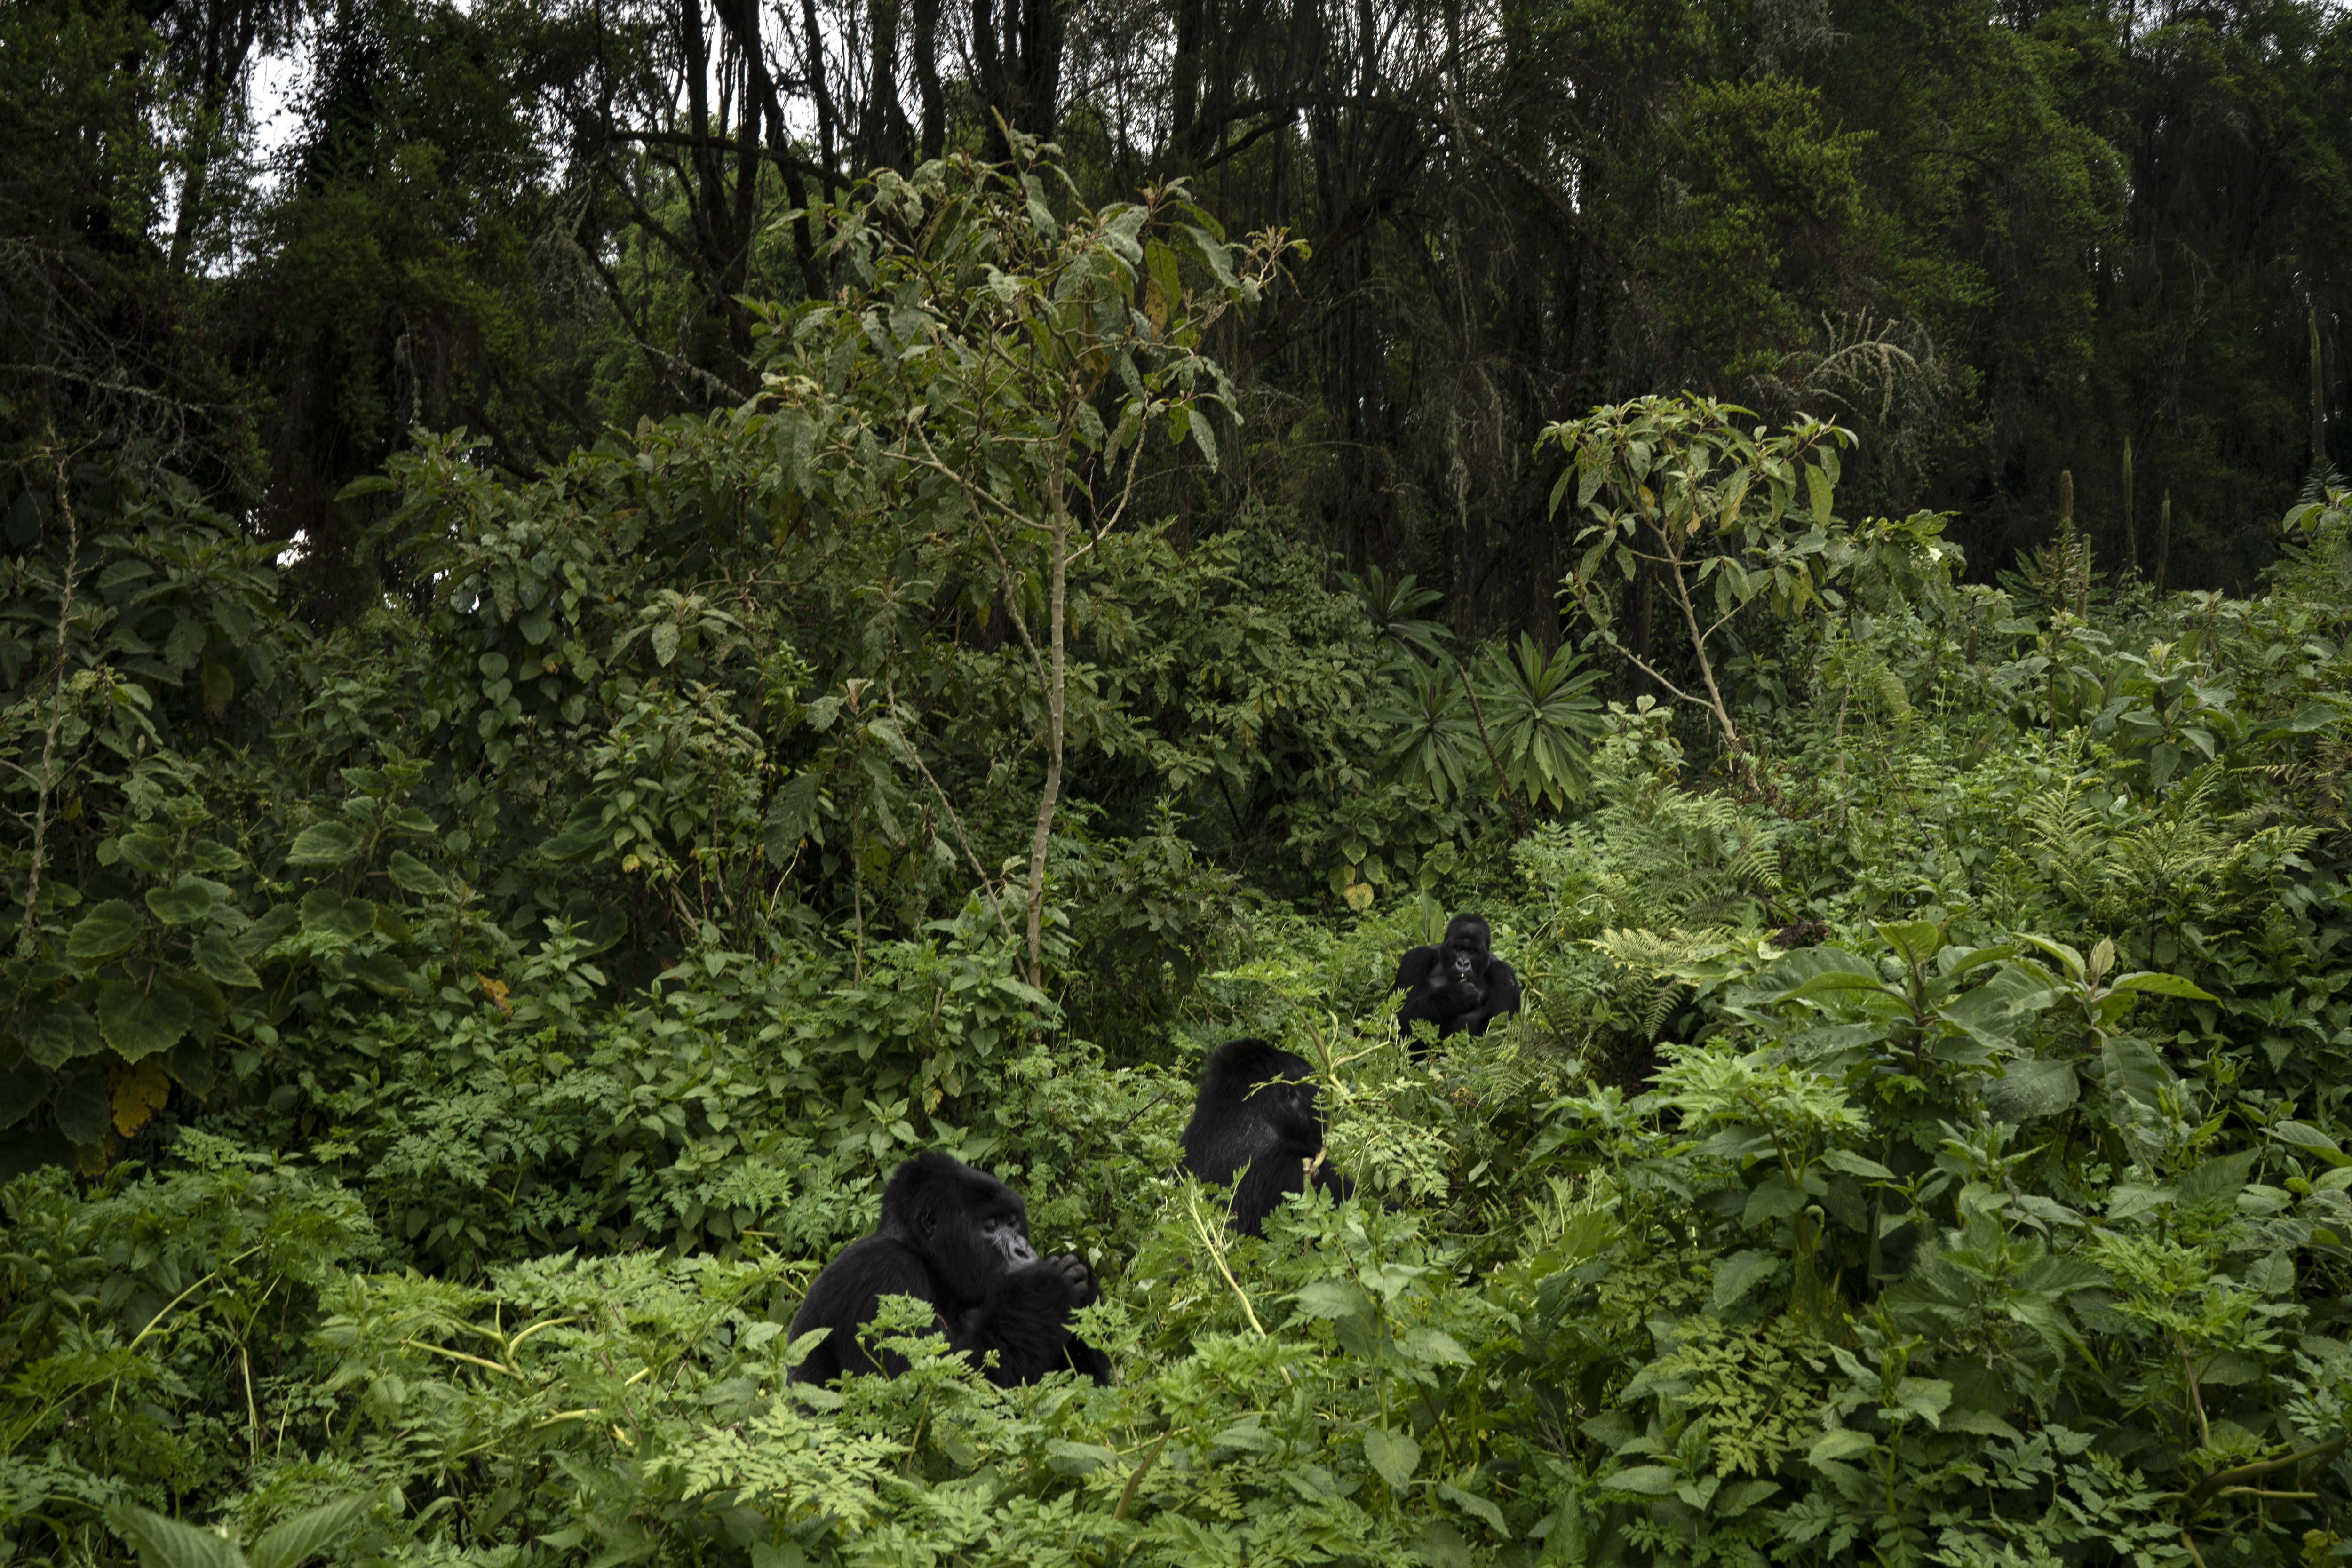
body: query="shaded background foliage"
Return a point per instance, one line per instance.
(2003, 241)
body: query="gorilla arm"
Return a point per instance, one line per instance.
(1027, 1322)
(1502, 997)
(1023, 1317)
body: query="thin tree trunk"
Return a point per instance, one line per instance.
(2131, 516)
(1058, 512)
(45, 786)
(1706, 670)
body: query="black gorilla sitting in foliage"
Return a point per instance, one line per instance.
(957, 1238)
(1458, 985)
(1259, 1107)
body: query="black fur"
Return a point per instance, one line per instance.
(1458, 985)
(1258, 1106)
(957, 1238)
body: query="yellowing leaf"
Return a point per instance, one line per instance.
(136, 1092)
(496, 990)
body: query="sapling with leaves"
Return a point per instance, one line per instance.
(1724, 516)
(961, 384)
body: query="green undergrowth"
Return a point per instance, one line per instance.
(439, 1050)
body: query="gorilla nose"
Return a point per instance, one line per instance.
(1017, 1248)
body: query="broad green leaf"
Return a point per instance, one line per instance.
(2031, 1089)
(326, 913)
(1470, 1503)
(81, 1107)
(1790, 973)
(663, 638)
(1842, 1444)
(2128, 1198)
(61, 1034)
(206, 856)
(263, 934)
(2067, 956)
(219, 687)
(1915, 940)
(107, 931)
(24, 1089)
(1644, 1480)
(1394, 1454)
(2165, 985)
(1205, 439)
(1330, 1298)
(167, 1544)
(1923, 1398)
(1067, 1458)
(137, 1023)
(2219, 1179)
(1854, 1164)
(2062, 1274)
(1434, 1347)
(183, 905)
(1442, 1546)
(2302, 1135)
(412, 875)
(1837, 980)
(2131, 1067)
(1772, 1201)
(382, 974)
(217, 957)
(323, 844)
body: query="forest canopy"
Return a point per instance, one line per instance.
(641, 613)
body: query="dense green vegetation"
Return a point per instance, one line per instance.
(442, 1046)
(668, 603)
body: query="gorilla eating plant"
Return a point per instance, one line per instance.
(959, 1239)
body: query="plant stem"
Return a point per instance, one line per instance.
(1486, 741)
(44, 787)
(1706, 668)
(1058, 512)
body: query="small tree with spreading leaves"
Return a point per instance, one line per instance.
(1724, 515)
(990, 381)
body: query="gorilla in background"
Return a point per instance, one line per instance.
(957, 1238)
(1458, 985)
(1259, 1107)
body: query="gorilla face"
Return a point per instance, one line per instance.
(1458, 975)
(1005, 1232)
(971, 1226)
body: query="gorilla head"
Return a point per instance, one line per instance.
(968, 1223)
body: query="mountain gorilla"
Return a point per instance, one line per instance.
(1259, 1107)
(1458, 985)
(957, 1238)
